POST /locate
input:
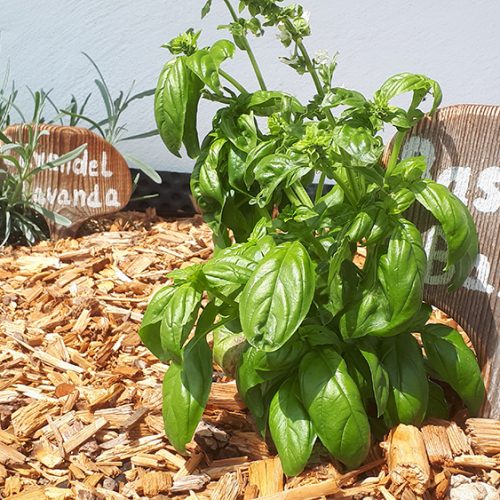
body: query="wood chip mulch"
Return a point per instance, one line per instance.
(80, 397)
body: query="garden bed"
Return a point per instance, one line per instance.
(80, 396)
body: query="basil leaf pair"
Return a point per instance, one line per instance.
(186, 387)
(178, 93)
(277, 297)
(169, 319)
(395, 297)
(449, 357)
(176, 105)
(332, 400)
(457, 224)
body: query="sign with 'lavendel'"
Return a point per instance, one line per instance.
(97, 182)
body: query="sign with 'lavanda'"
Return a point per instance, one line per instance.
(97, 182)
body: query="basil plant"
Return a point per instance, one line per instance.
(323, 350)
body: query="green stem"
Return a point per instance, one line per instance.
(217, 98)
(396, 148)
(344, 188)
(263, 212)
(248, 49)
(236, 84)
(318, 247)
(204, 333)
(292, 196)
(302, 195)
(319, 189)
(310, 67)
(319, 88)
(220, 296)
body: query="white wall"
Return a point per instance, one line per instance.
(457, 42)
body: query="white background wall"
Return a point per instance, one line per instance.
(456, 42)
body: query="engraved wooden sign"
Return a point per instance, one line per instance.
(462, 148)
(97, 182)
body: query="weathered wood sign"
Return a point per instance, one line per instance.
(97, 182)
(462, 147)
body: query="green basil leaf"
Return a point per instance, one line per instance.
(342, 278)
(267, 102)
(277, 296)
(284, 359)
(380, 228)
(277, 169)
(379, 376)
(247, 377)
(407, 170)
(190, 134)
(437, 407)
(186, 388)
(150, 326)
(458, 227)
(206, 8)
(449, 357)
(320, 335)
(206, 319)
(399, 201)
(179, 316)
(171, 99)
(236, 161)
(409, 388)
(239, 216)
(360, 372)
(254, 156)
(291, 428)
(333, 402)
(360, 226)
(401, 273)
(255, 389)
(361, 146)
(420, 319)
(228, 348)
(339, 96)
(402, 83)
(205, 63)
(228, 273)
(209, 181)
(240, 130)
(389, 306)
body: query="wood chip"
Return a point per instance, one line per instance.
(154, 483)
(484, 435)
(266, 475)
(195, 482)
(228, 488)
(85, 434)
(9, 455)
(480, 461)
(437, 444)
(407, 459)
(31, 417)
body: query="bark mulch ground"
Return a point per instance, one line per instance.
(80, 397)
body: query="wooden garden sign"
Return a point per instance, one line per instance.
(462, 148)
(97, 182)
